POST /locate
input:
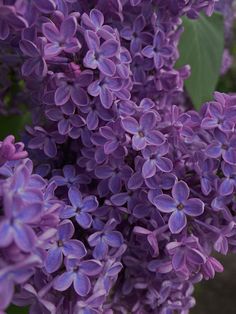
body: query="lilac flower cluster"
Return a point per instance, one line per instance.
(125, 195)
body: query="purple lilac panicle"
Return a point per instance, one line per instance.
(135, 188)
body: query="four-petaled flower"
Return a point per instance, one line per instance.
(62, 39)
(136, 35)
(223, 145)
(81, 208)
(104, 238)
(179, 205)
(155, 160)
(99, 56)
(63, 245)
(144, 131)
(78, 273)
(160, 51)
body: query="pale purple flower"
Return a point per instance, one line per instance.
(15, 226)
(155, 160)
(102, 240)
(64, 245)
(144, 132)
(180, 206)
(9, 150)
(78, 273)
(80, 208)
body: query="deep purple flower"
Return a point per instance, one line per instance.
(10, 19)
(81, 207)
(17, 273)
(104, 239)
(228, 183)
(223, 145)
(155, 160)
(45, 141)
(143, 132)
(186, 255)
(78, 273)
(115, 173)
(135, 35)
(95, 22)
(219, 117)
(114, 138)
(160, 51)
(45, 6)
(179, 205)
(37, 299)
(72, 87)
(62, 39)
(106, 89)
(100, 56)
(69, 177)
(36, 62)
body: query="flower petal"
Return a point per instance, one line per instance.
(180, 191)
(165, 203)
(177, 221)
(75, 197)
(113, 238)
(84, 220)
(53, 260)
(193, 207)
(64, 281)
(130, 125)
(82, 284)
(91, 267)
(106, 66)
(74, 248)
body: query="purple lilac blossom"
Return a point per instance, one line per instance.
(128, 193)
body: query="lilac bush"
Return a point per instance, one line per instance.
(122, 194)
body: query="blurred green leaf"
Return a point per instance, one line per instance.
(17, 310)
(13, 125)
(201, 46)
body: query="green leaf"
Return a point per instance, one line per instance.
(201, 46)
(17, 310)
(13, 125)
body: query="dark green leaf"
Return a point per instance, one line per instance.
(201, 46)
(13, 125)
(17, 310)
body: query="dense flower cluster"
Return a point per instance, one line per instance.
(126, 194)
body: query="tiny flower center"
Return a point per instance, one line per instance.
(224, 146)
(60, 243)
(140, 133)
(180, 206)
